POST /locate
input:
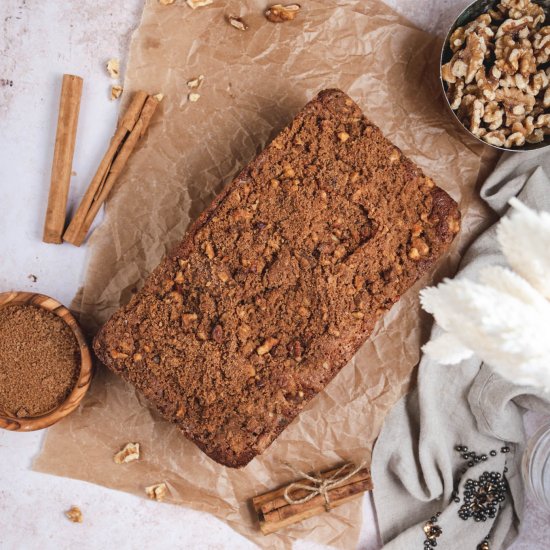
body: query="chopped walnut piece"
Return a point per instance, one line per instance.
(157, 491)
(513, 57)
(514, 27)
(195, 82)
(116, 92)
(493, 115)
(453, 224)
(267, 346)
(417, 230)
(466, 62)
(198, 3)
(288, 171)
(209, 250)
(279, 13)
(395, 156)
(188, 319)
(129, 453)
(455, 93)
(543, 121)
(471, 112)
(519, 8)
(237, 22)
(343, 136)
(541, 44)
(193, 97)
(535, 137)
(74, 514)
(243, 331)
(497, 137)
(539, 81)
(517, 138)
(166, 2)
(113, 68)
(487, 83)
(414, 254)
(513, 97)
(421, 246)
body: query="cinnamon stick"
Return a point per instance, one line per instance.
(274, 512)
(130, 129)
(62, 165)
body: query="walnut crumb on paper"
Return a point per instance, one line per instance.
(129, 453)
(159, 97)
(113, 68)
(116, 92)
(194, 97)
(74, 514)
(195, 82)
(198, 3)
(237, 22)
(157, 491)
(166, 2)
(280, 14)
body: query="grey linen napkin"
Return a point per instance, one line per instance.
(415, 466)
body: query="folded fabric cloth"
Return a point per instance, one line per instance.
(417, 471)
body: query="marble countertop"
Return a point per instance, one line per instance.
(40, 40)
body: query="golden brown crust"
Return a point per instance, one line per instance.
(280, 280)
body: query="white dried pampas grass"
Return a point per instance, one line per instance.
(504, 318)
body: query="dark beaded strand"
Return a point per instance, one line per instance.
(482, 497)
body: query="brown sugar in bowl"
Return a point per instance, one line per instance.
(84, 378)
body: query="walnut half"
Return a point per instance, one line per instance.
(129, 453)
(280, 14)
(157, 492)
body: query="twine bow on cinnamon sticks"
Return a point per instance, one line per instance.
(312, 495)
(321, 485)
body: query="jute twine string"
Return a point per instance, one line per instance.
(321, 486)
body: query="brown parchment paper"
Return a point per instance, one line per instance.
(255, 81)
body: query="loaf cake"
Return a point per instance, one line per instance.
(280, 281)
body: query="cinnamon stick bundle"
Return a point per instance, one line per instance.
(131, 127)
(62, 165)
(275, 511)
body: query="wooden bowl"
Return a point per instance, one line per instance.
(86, 368)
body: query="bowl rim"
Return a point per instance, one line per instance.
(86, 365)
(442, 82)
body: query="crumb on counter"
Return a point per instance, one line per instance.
(74, 514)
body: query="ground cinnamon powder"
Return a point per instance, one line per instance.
(39, 360)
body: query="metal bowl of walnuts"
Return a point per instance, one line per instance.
(495, 71)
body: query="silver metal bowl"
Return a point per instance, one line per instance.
(475, 9)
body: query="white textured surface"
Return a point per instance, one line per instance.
(39, 40)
